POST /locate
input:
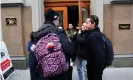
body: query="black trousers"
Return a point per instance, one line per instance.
(34, 72)
(64, 76)
(95, 72)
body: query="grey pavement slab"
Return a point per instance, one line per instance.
(25, 75)
(118, 74)
(20, 75)
(109, 74)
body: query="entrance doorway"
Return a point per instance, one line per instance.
(68, 15)
(69, 11)
(73, 15)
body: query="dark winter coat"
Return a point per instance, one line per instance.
(82, 49)
(34, 72)
(71, 36)
(96, 58)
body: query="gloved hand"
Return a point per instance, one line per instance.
(33, 47)
(71, 62)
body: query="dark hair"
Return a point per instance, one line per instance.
(70, 23)
(94, 19)
(33, 36)
(51, 15)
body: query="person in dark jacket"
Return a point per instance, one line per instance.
(71, 32)
(96, 58)
(81, 59)
(51, 26)
(34, 73)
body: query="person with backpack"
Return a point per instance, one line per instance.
(96, 61)
(53, 49)
(34, 73)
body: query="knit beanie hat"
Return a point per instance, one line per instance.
(51, 15)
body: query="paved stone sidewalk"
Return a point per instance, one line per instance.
(109, 74)
(118, 74)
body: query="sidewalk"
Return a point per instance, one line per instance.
(118, 74)
(109, 74)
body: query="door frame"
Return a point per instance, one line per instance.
(64, 4)
(65, 15)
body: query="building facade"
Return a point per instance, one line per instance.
(118, 26)
(28, 15)
(19, 18)
(118, 14)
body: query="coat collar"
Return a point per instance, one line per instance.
(95, 29)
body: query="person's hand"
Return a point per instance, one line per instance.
(33, 47)
(77, 28)
(71, 62)
(60, 27)
(79, 31)
(83, 28)
(74, 33)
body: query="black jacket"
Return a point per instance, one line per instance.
(96, 58)
(50, 28)
(95, 47)
(82, 49)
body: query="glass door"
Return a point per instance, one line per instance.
(84, 14)
(62, 11)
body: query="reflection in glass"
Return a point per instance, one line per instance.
(84, 14)
(60, 17)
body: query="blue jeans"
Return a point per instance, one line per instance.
(81, 67)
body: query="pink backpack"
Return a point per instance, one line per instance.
(50, 56)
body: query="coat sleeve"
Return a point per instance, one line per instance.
(66, 45)
(79, 39)
(97, 49)
(98, 58)
(29, 46)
